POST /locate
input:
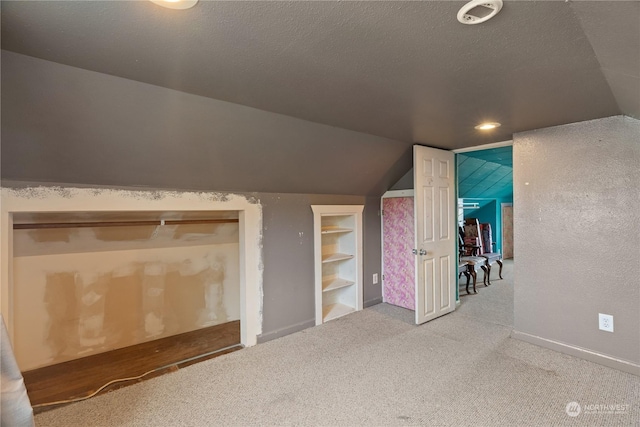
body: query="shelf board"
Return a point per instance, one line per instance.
(335, 257)
(331, 284)
(332, 229)
(334, 311)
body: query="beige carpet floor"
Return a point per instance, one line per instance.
(376, 368)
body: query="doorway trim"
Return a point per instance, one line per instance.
(502, 206)
(72, 199)
(484, 147)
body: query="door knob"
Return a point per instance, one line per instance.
(423, 252)
(415, 251)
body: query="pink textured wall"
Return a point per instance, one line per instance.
(399, 262)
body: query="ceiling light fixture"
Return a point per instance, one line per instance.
(479, 11)
(176, 4)
(488, 126)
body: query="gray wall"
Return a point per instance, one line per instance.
(288, 258)
(66, 124)
(404, 183)
(577, 236)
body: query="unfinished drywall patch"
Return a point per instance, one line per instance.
(122, 305)
(118, 234)
(51, 235)
(99, 239)
(119, 297)
(60, 304)
(60, 200)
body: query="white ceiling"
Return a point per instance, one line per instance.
(401, 70)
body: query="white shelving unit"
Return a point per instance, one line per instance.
(338, 260)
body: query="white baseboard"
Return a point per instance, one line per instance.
(582, 353)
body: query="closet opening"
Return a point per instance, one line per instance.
(87, 283)
(93, 283)
(101, 285)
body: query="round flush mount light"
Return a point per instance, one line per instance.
(479, 11)
(176, 4)
(488, 126)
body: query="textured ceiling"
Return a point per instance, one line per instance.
(401, 70)
(502, 156)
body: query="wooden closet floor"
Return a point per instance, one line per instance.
(82, 377)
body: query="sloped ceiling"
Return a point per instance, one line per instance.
(486, 174)
(405, 72)
(613, 29)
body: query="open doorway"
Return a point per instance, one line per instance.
(485, 203)
(484, 185)
(419, 238)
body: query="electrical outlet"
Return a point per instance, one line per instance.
(605, 322)
(375, 278)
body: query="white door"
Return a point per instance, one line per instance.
(435, 226)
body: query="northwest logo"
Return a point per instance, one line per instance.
(573, 409)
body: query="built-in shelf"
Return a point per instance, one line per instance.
(333, 311)
(332, 284)
(338, 260)
(335, 257)
(330, 230)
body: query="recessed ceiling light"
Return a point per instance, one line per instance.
(488, 126)
(176, 4)
(479, 11)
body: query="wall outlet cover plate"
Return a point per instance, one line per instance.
(605, 322)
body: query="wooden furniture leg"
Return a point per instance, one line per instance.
(487, 274)
(490, 258)
(473, 264)
(472, 271)
(468, 276)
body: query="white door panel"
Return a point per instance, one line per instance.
(435, 232)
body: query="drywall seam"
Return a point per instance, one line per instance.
(72, 199)
(71, 305)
